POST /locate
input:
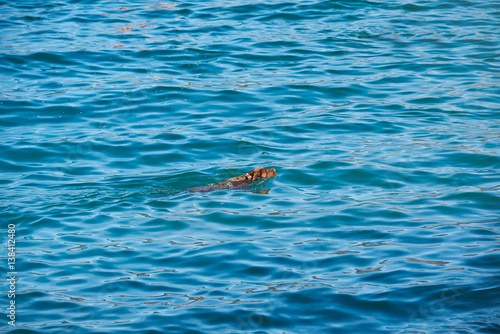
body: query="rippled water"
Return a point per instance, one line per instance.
(381, 118)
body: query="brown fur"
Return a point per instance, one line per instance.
(239, 181)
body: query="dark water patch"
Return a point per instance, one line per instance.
(51, 58)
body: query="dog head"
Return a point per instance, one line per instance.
(260, 173)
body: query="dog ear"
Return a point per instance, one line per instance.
(259, 173)
(255, 174)
(265, 173)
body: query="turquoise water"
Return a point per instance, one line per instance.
(380, 117)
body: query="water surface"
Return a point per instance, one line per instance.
(381, 118)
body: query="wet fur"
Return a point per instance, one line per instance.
(238, 182)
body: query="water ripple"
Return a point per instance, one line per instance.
(380, 118)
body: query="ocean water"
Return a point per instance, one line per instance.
(380, 117)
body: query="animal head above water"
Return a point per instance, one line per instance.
(260, 173)
(241, 181)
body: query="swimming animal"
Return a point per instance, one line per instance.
(238, 182)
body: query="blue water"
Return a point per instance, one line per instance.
(380, 117)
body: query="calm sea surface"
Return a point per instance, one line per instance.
(380, 117)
